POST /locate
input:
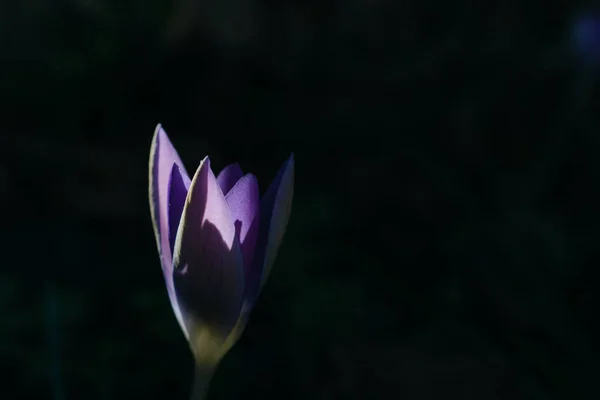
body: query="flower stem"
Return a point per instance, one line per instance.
(202, 376)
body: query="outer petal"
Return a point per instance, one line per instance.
(244, 202)
(162, 157)
(228, 177)
(208, 267)
(275, 210)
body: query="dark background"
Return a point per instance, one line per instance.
(444, 232)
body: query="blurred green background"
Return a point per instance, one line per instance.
(443, 239)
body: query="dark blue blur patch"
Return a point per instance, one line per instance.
(585, 37)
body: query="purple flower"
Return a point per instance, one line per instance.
(217, 242)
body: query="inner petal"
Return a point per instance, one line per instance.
(179, 184)
(244, 203)
(229, 176)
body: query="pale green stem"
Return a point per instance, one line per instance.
(202, 376)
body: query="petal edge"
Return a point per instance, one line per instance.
(275, 211)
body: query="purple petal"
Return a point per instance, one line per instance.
(244, 203)
(228, 177)
(208, 267)
(275, 211)
(162, 157)
(178, 188)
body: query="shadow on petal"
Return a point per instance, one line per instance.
(179, 184)
(244, 203)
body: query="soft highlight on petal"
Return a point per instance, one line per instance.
(208, 268)
(228, 177)
(244, 202)
(162, 157)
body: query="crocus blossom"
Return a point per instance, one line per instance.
(217, 242)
